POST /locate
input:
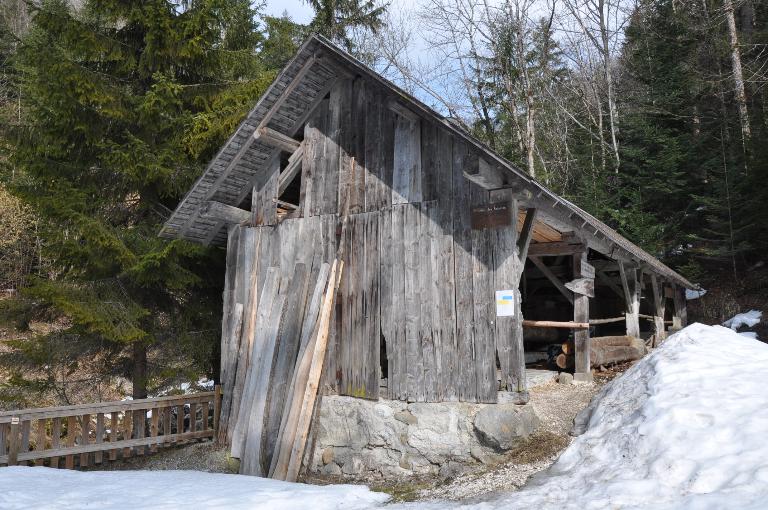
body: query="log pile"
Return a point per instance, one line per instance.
(603, 351)
(273, 354)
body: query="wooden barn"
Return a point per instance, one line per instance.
(446, 248)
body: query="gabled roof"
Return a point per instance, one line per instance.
(288, 102)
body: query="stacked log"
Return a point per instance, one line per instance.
(603, 351)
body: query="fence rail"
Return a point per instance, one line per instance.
(86, 434)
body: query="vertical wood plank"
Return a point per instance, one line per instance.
(507, 270)
(406, 174)
(228, 300)
(371, 313)
(113, 429)
(85, 438)
(26, 430)
(127, 432)
(311, 192)
(98, 457)
(357, 142)
(482, 291)
(154, 427)
(372, 152)
(386, 250)
(443, 265)
(413, 348)
(400, 378)
(14, 441)
(428, 327)
(167, 424)
(386, 147)
(216, 411)
(69, 460)
(193, 417)
(40, 439)
(463, 264)
(180, 419)
(55, 440)
(3, 439)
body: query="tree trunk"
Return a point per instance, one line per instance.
(738, 75)
(612, 113)
(139, 370)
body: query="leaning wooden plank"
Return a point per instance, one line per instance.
(313, 379)
(229, 381)
(289, 338)
(268, 296)
(255, 424)
(288, 423)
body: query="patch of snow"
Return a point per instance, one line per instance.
(694, 294)
(684, 428)
(39, 487)
(748, 319)
(749, 334)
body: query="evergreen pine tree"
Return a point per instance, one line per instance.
(124, 103)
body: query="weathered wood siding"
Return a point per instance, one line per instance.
(418, 282)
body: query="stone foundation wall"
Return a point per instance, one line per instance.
(363, 438)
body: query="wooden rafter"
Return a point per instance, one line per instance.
(552, 278)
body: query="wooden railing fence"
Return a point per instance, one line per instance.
(87, 434)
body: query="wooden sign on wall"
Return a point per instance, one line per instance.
(491, 215)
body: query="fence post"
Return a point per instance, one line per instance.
(216, 411)
(13, 442)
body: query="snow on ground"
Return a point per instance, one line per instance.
(748, 319)
(38, 488)
(684, 428)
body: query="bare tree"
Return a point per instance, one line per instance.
(738, 74)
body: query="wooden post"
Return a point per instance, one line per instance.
(581, 342)
(216, 410)
(13, 441)
(99, 456)
(84, 439)
(69, 460)
(680, 318)
(632, 300)
(113, 433)
(55, 440)
(658, 318)
(40, 439)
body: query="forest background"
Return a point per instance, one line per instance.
(650, 114)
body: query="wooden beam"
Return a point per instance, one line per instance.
(524, 241)
(402, 111)
(552, 278)
(276, 139)
(291, 170)
(224, 213)
(556, 324)
(486, 175)
(555, 249)
(288, 90)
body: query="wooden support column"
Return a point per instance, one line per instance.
(581, 315)
(659, 309)
(631, 299)
(680, 317)
(264, 198)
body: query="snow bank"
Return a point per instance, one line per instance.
(28, 488)
(748, 319)
(685, 428)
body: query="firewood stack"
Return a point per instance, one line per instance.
(604, 350)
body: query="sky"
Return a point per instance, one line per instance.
(298, 10)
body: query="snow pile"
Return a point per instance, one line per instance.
(748, 319)
(685, 428)
(690, 295)
(32, 488)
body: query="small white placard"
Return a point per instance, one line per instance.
(505, 303)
